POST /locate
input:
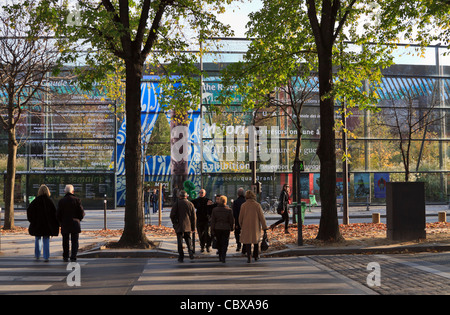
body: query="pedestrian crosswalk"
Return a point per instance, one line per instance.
(166, 276)
(22, 275)
(265, 277)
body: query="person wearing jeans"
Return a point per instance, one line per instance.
(42, 245)
(41, 213)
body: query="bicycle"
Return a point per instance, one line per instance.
(269, 205)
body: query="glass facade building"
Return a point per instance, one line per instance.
(82, 142)
(66, 136)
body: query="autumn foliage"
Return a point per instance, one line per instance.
(354, 234)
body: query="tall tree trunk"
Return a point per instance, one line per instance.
(324, 38)
(329, 226)
(133, 233)
(10, 179)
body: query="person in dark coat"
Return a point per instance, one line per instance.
(183, 219)
(70, 212)
(41, 213)
(222, 222)
(236, 210)
(154, 201)
(147, 200)
(283, 208)
(202, 204)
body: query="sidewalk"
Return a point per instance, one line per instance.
(91, 245)
(313, 213)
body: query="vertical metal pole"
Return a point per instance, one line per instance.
(160, 204)
(442, 113)
(252, 150)
(299, 224)
(115, 154)
(201, 115)
(345, 218)
(104, 213)
(296, 178)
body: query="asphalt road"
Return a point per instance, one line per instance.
(94, 219)
(200, 279)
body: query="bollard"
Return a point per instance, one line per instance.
(376, 217)
(442, 216)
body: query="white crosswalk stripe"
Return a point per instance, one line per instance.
(27, 275)
(209, 276)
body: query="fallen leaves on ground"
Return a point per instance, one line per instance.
(161, 231)
(354, 234)
(368, 234)
(15, 230)
(103, 233)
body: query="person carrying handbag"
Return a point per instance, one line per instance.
(251, 220)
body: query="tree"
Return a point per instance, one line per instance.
(27, 55)
(136, 33)
(406, 120)
(283, 92)
(317, 35)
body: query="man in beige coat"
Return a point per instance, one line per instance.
(251, 220)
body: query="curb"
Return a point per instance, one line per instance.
(127, 254)
(359, 250)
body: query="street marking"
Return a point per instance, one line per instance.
(25, 275)
(417, 266)
(237, 276)
(23, 288)
(32, 278)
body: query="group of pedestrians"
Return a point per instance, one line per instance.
(151, 200)
(214, 222)
(46, 219)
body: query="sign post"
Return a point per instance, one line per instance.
(297, 169)
(160, 204)
(104, 213)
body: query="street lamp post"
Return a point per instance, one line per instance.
(297, 168)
